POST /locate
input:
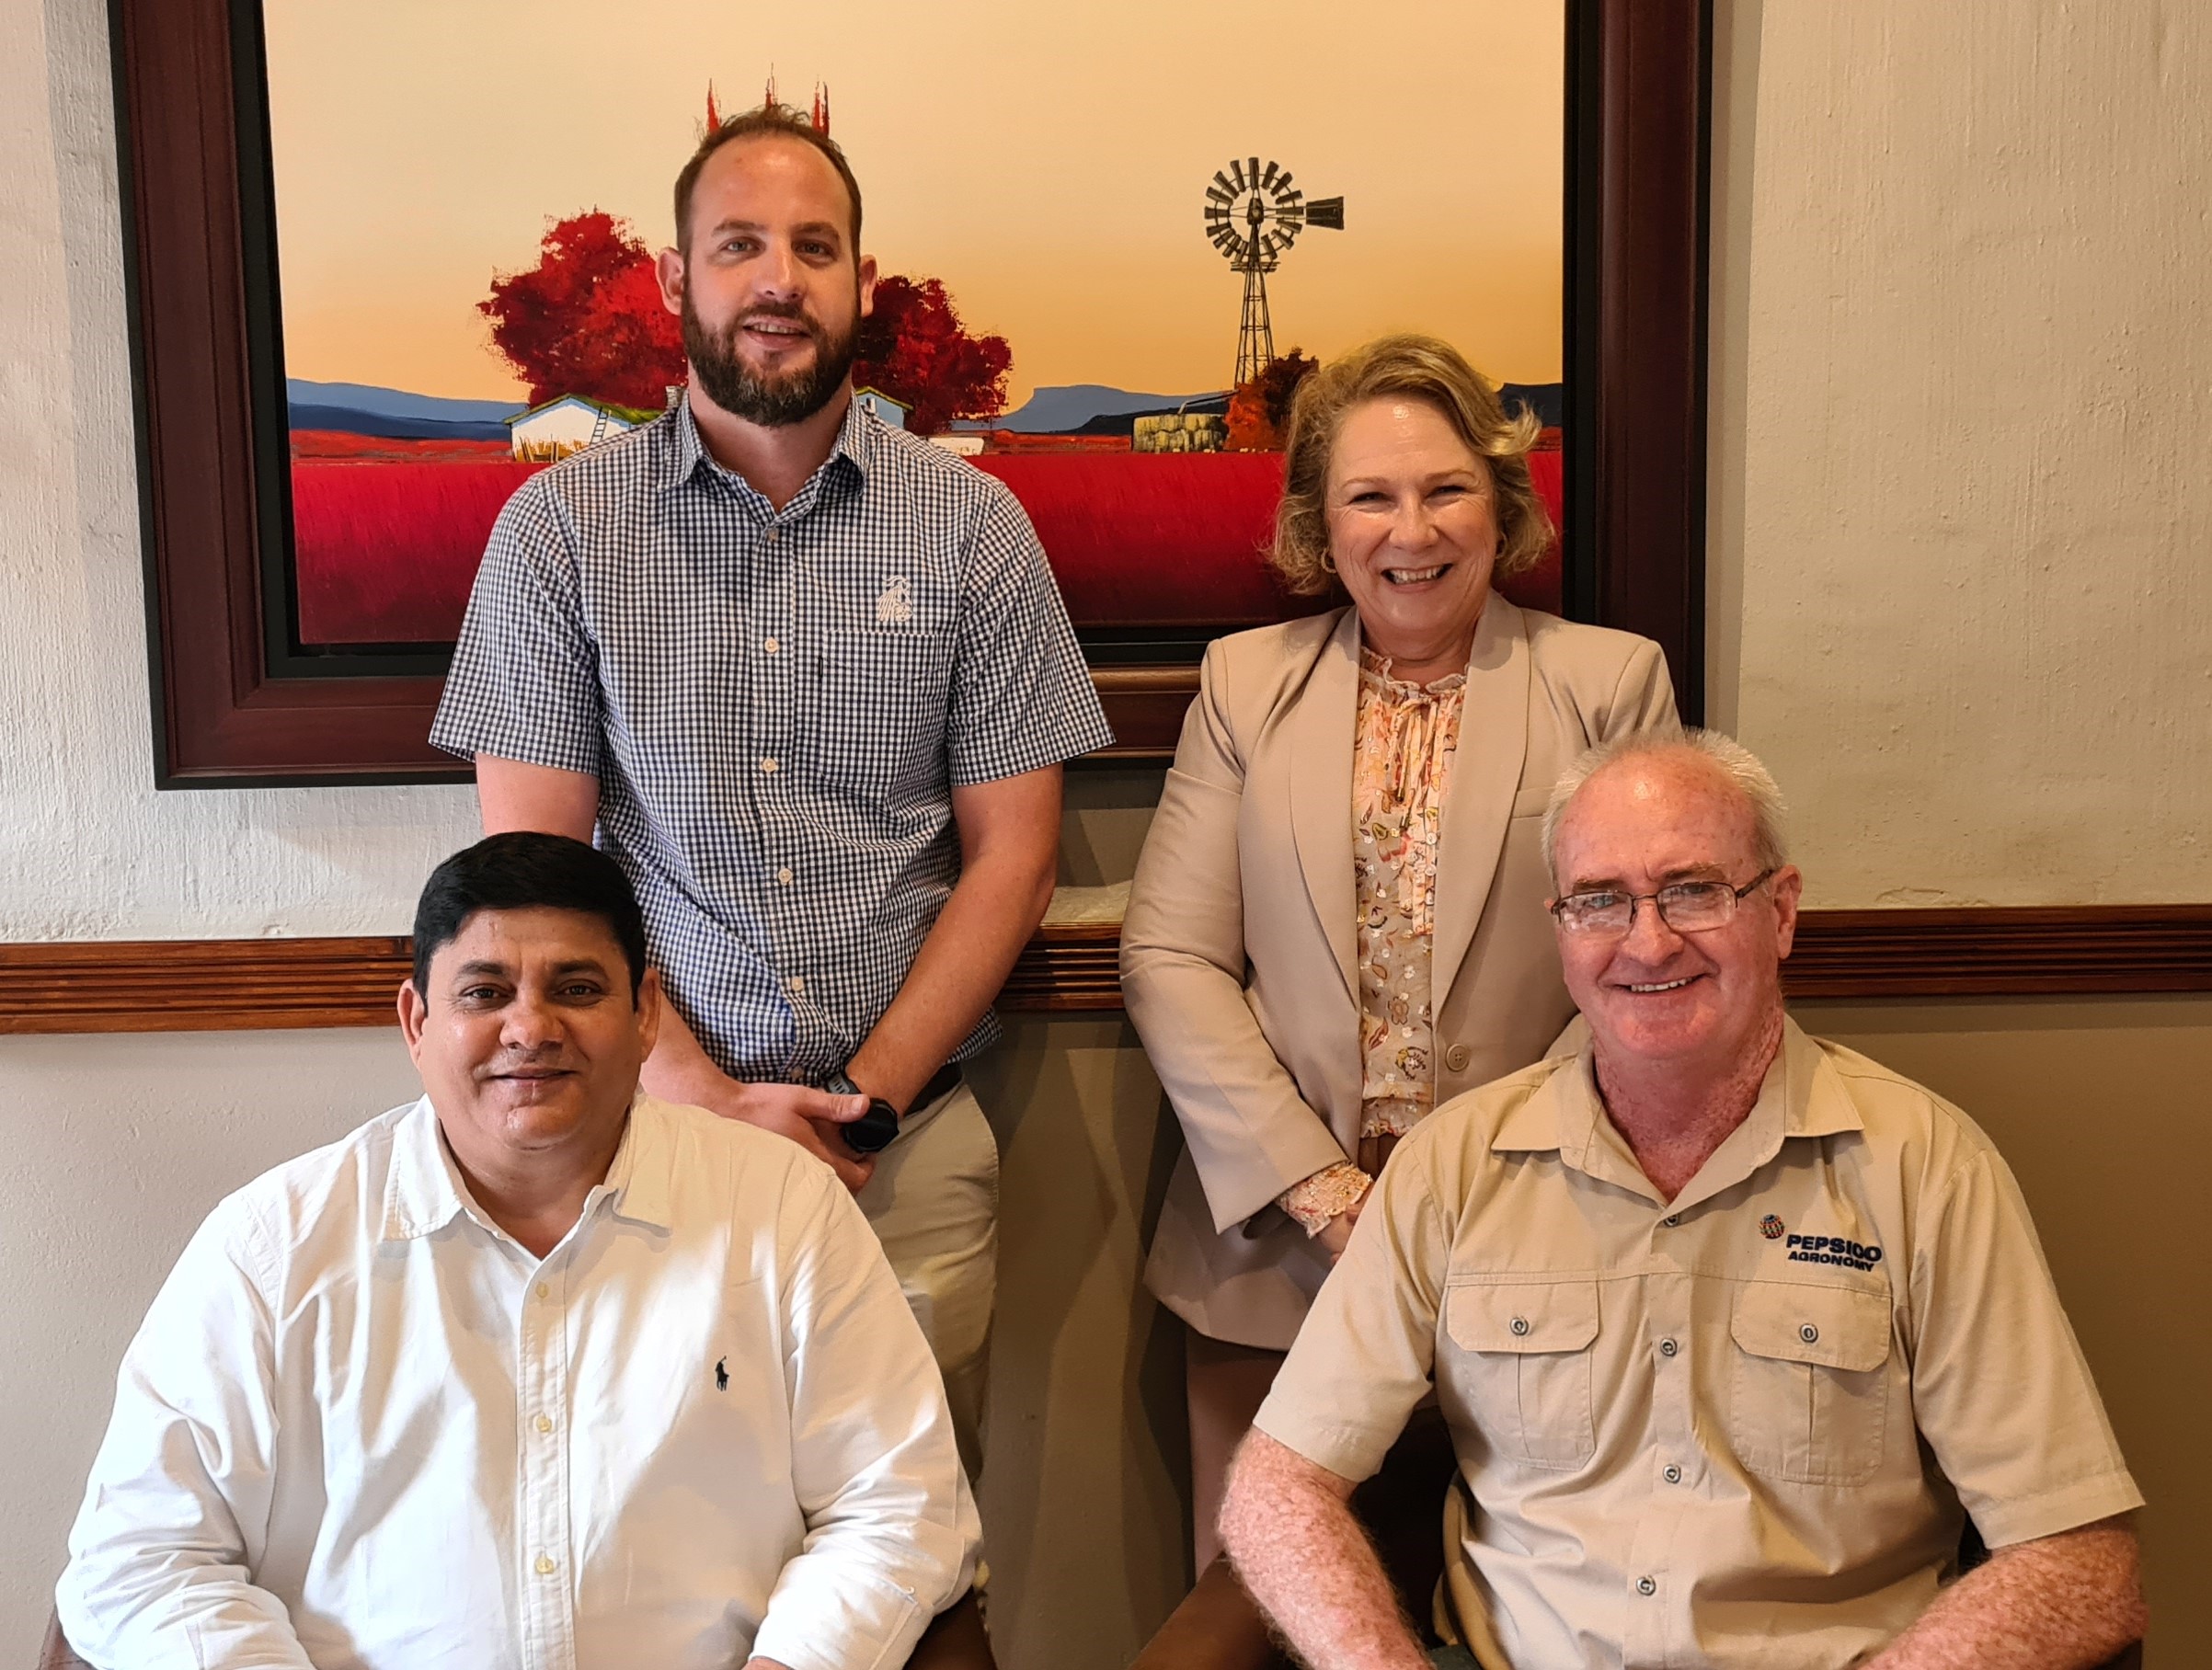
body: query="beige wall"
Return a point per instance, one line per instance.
(1960, 512)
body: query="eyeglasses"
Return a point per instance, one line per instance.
(1687, 906)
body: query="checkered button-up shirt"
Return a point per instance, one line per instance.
(777, 705)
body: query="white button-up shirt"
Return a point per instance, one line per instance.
(363, 1426)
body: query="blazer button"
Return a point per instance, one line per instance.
(1457, 1057)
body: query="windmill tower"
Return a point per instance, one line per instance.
(1253, 214)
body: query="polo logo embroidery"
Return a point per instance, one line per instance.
(895, 602)
(1832, 1249)
(722, 1375)
(1771, 1227)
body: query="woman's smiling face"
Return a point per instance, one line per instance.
(1412, 531)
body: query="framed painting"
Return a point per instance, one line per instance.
(388, 261)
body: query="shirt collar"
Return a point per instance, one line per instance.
(686, 452)
(425, 1192)
(1801, 1097)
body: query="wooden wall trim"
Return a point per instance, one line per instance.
(253, 985)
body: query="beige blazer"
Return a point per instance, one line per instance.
(1237, 954)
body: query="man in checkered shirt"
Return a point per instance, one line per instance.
(811, 680)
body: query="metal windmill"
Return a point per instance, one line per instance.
(1253, 214)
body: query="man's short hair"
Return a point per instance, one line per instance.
(524, 870)
(773, 121)
(1730, 759)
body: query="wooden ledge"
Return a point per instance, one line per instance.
(264, 984)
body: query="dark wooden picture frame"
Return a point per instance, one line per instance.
(230, 714)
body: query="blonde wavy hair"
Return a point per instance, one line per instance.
(1406, 367)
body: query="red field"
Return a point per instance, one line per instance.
(387, 550)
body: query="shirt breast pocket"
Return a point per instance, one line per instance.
(1809, 1402)
(1521, 1359)
(877, 707)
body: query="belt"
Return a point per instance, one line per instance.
(942, 1082)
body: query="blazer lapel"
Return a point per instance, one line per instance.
(1478, 797)
(1319, 734)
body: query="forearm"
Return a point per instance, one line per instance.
(995, 906)
(2066, 1602)
(1288, 1528)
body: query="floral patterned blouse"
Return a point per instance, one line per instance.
(1402, 751)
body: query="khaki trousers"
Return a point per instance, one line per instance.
(934, 1204)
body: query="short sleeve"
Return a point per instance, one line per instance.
(1022, 695)
(1364, 1356)
(524, 679)
(2001, 1390)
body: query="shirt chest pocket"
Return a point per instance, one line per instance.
(873, 703)
(1520, 1359)
(1809, 1401)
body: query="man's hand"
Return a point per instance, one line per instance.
(679, 1071)
(810, 1117)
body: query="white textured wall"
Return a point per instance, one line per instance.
(87, 848)
(1962, 520)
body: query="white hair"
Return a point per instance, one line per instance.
(1730, 759)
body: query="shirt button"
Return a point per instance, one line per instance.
(772, 646)
(785, 877)
(1673, 1475)
(1672, 1221)
(1644, 1586)
(798, 982)
(545, 1565)
(770, 536)
(1668, 1348)
(1457, 1057)
(768, 764)
(1520, 1325)
(545, 1291)
(1809, 1334)
(544, 1423)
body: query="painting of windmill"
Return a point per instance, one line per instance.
(1033, 203)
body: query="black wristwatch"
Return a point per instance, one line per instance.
(872, 1132)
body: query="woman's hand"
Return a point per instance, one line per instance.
(1337, 1234)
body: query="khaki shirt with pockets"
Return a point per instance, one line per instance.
(1735, 1429)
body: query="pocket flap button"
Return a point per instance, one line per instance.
(1809, 1334)
(1520, 1325)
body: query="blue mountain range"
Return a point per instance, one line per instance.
(391, 414)
(1068, 406)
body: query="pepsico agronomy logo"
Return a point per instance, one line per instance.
(1771, 1227)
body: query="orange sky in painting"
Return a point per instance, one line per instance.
(1047, 161)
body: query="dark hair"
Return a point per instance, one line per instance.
(522, 870)
(775, 120)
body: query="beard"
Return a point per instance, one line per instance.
(773, 402)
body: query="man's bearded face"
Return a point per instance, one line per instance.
(772, 399)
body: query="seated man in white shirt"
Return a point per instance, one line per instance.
(538, 1371)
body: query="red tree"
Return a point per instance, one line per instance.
(915, 349)
(588, 318)
(1260, 410)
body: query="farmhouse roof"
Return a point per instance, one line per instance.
(628, 413)
(870, 388)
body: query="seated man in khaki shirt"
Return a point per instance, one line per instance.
(1732, 1328)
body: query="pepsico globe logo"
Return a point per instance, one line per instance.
(1771, 1227)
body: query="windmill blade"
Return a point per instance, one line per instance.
(1326, 211)
(1283, 187)
(1221, 185)
(1268, 179)
(1290, 216)
(1236, 177)
(1214, 194)
(1253, 178)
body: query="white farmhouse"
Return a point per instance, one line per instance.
(545, 434)
(879, 404)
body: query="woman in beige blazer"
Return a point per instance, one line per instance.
(1338, 919)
